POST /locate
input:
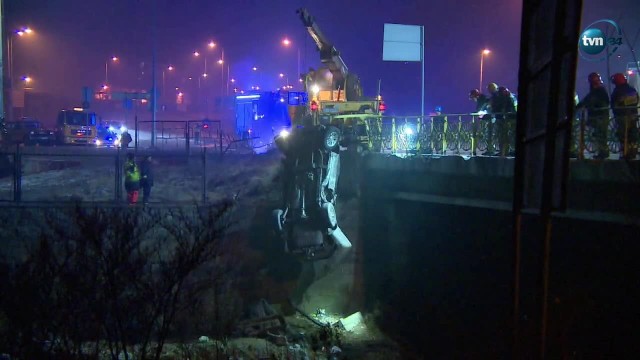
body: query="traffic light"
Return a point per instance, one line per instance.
(382, 107)
(314, 106)
(206, 123)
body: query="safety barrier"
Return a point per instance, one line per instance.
(493, 134)
(441, 134)
(606, 134)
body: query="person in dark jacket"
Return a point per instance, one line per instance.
(438, 132)
(481, 100)
(482, 108)
(125, 139)
(131, 179)
(597, 104)
(146, 178)
(503, 107)
(624, 103)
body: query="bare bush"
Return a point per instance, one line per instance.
(108, 279)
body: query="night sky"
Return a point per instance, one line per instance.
(74, 38)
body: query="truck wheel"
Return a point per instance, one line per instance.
(331, 138)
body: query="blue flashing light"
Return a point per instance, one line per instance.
(243, 97)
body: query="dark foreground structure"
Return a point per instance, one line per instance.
(438, 260)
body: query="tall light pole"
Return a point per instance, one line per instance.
(482, 54)
(222, 82)
(106, 68)
(27, 80)
(154, 87)
(212, 45)
(20, 33)
(286, 42)
(168, 68)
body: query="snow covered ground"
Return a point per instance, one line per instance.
(253, 179)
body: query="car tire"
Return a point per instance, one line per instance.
(331, 138)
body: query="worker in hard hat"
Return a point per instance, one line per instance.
(596, 102)
(624, 103)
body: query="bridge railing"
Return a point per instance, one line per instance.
(494, 134)
(605, 133)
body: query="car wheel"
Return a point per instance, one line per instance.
(331, 138)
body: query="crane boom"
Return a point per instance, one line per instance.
(329, 55)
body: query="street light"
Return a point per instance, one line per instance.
(26, 80)
(169, 68)
(286, 42)
(195, 53)
(482, 54)
(211, 44)
(9, 98)
(113, 59)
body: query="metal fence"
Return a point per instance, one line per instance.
(45, 175)
(188, 135)
(487, 134)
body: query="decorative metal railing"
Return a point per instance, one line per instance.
(493, 134)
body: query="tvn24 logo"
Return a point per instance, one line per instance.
(594, 44)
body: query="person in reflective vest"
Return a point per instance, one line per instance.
(131, 179)
(624, 103)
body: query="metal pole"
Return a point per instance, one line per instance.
(9, 110)
(2, 61)
(422, 60)
(117, 177)
(204, 175)
(481, 66)
(608, 81)
(137, 132)
(222, 74)
(154, 95)
(227, 82)
(17, 175)
(298, 73)
(106, 72)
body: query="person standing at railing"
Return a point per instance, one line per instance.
(624, 103)
(597, 104)
(503, 108)
(482, 109)
(437, 134)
